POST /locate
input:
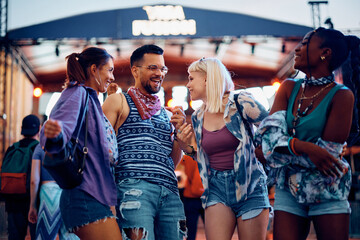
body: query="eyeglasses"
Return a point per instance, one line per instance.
(154, 68)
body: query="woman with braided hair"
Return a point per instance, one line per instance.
(303, 138)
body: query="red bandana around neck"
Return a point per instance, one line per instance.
(146, 104)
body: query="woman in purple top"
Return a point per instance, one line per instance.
(87, 210)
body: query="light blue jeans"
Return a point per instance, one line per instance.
(285, 201)
(222, 190)
(154, 209)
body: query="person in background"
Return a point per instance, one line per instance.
(149, 204)
(87, 210)
(303, 139)
(193, 189)
(234, 180)
(17, 205)
(48, 218)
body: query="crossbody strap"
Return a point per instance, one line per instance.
(84, 115)
(85, 149)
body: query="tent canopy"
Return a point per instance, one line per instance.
(117, 24)
(255, 50)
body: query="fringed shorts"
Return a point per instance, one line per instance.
(79, 208)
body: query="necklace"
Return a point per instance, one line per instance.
(299, 114)
(303, 97)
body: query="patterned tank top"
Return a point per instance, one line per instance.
(144, 149)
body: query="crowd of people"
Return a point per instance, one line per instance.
(129, 188)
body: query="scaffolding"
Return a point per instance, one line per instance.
(315, 10)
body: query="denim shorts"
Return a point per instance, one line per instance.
(222, 190)
(285, 201)
(151, 207)
(79, 208)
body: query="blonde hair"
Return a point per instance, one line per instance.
(218, 81)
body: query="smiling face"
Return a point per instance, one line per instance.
(304, 63)
(105, 75)
(197, 85)
(148, 79)
(102, 76)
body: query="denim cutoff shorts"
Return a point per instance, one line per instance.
(78, 208)
(222, 190)
(151, 207)
(285, 201)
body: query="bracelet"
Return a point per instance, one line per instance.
(193, 152)
(291, 148)
(288, 145)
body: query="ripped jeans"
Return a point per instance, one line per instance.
(153, 209)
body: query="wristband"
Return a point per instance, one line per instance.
(291, 143)
(193, 152)
(292, 146)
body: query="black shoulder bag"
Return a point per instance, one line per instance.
(67, 166)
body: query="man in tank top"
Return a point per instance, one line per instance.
(149, 204)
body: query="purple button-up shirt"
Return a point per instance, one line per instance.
(98, 180)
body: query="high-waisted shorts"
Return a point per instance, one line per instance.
(222, 190)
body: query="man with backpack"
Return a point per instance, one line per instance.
(15, 179)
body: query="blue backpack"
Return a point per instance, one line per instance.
(16, 168)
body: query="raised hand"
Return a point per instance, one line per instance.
(52, 128)
(112, 88)
(178, 118)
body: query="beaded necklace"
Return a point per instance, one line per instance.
(299, 114)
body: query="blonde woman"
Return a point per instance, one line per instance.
(234, 180)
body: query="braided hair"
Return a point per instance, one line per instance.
(345, 54)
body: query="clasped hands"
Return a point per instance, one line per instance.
(184, 131)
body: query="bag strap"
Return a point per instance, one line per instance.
(85, 149)
(84, 115)
(16, 144)
(33, 143)
(246, 123)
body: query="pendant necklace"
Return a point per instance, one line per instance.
(299, 114)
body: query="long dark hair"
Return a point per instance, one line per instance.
(345, 54)
(78, 64)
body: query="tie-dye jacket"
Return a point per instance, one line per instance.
(306, 183)
(248, 170)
